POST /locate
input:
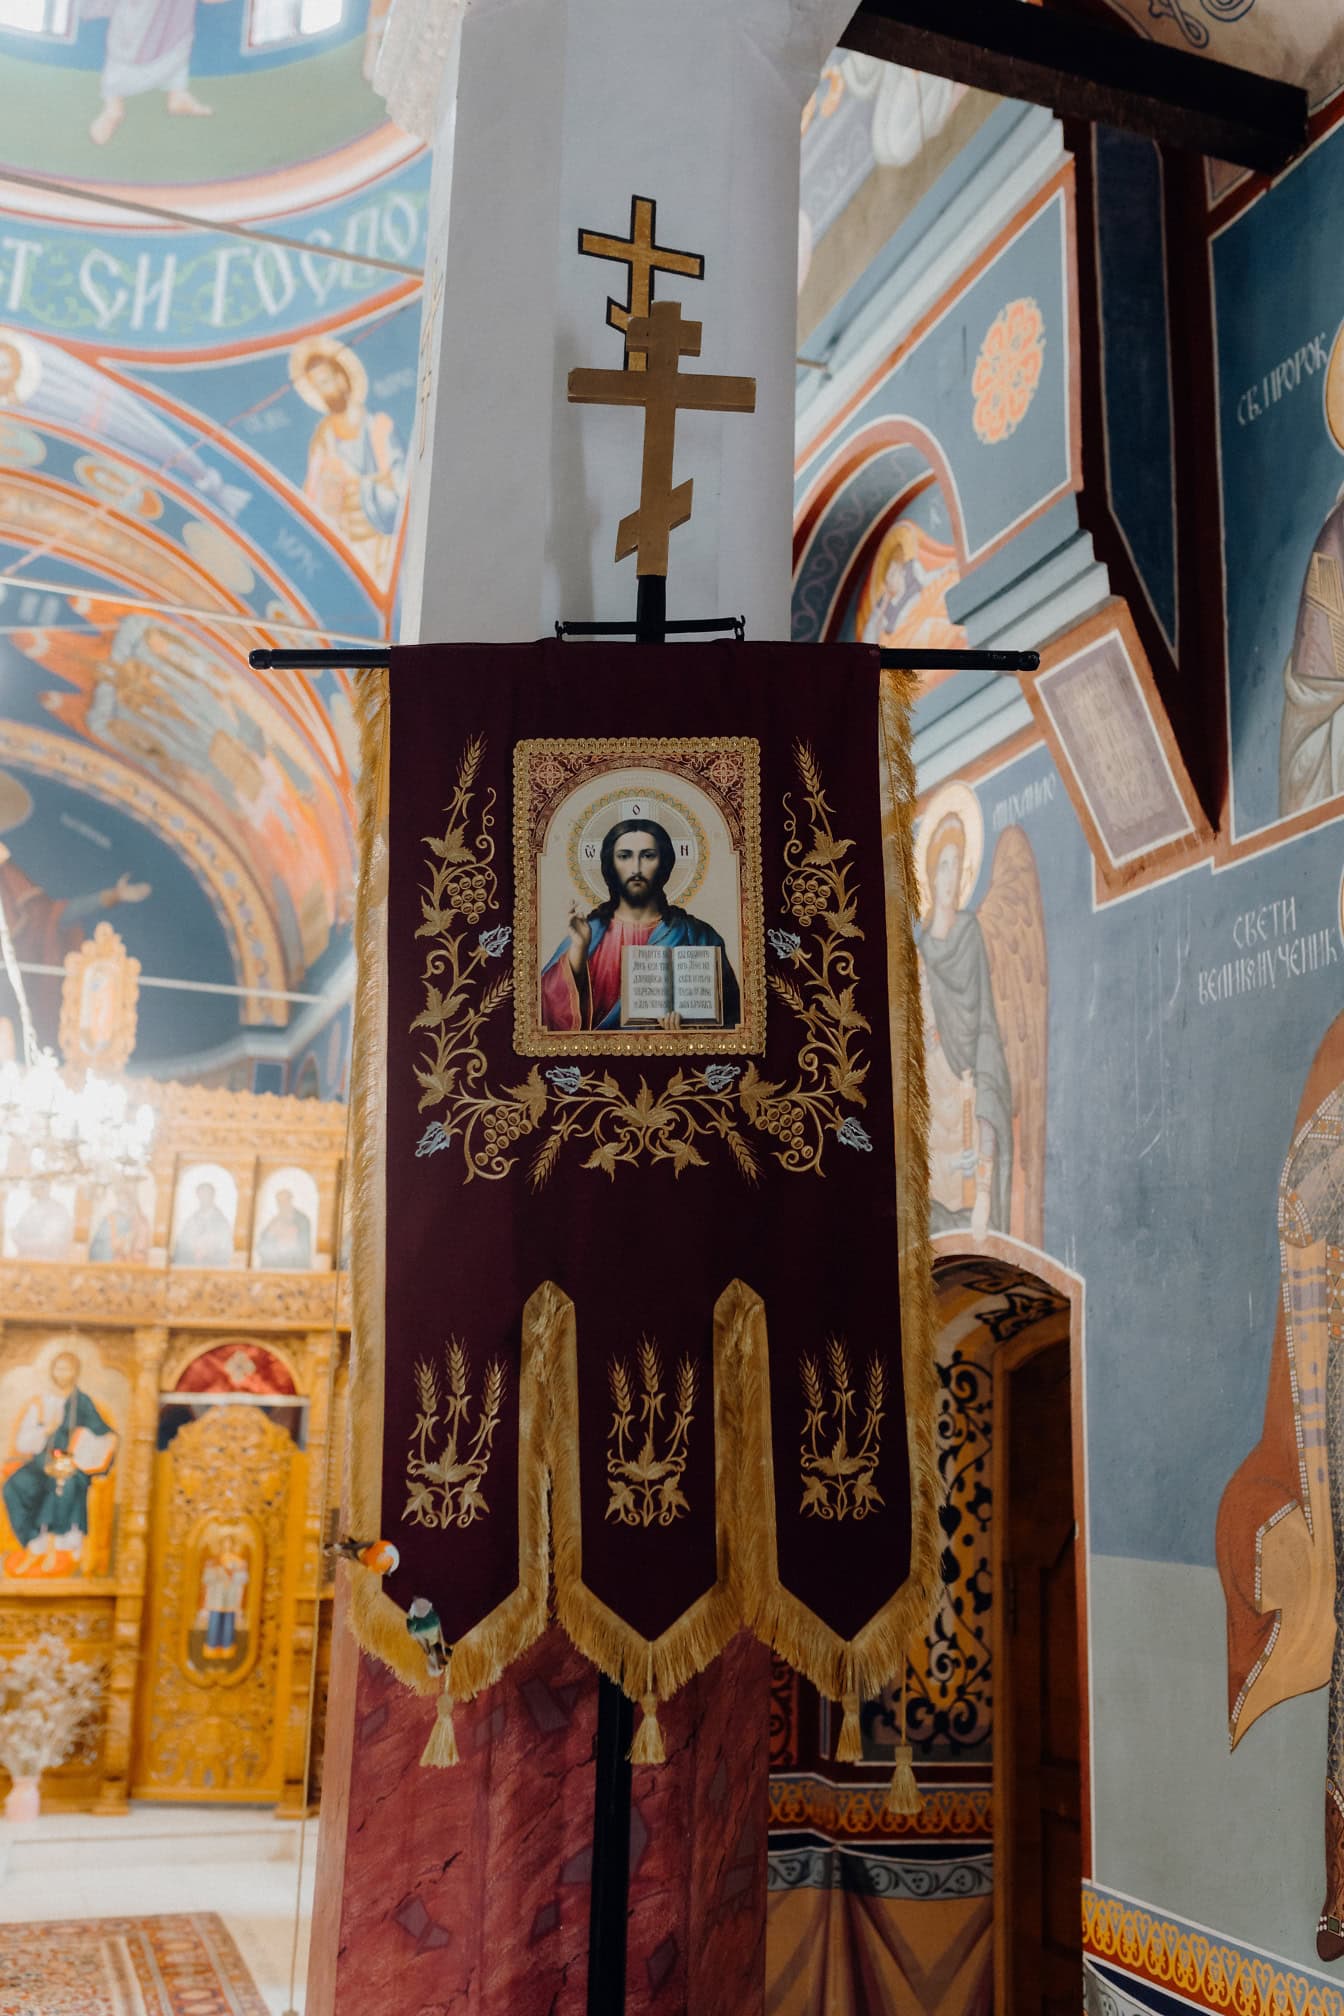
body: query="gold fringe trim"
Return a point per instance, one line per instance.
(441, 1750)
(378, 1623)
(640, 1666)
(834, 1665)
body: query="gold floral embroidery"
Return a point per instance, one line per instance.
(837, 1480)
(696, 1109)
(445, 1490)
(646, 1487)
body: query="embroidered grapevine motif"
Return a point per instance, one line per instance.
(445, 1490)
(646, 1487)
(692, 1111)
(838, 1480)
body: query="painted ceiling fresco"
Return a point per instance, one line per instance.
(202, 448)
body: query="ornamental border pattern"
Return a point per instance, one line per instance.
(1205, 1968)
(810, 1804)
(52, 1291)
(859, 1875)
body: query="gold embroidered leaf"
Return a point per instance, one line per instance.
(605, 1157)
(825, 850)
(848, 1015)
(846, 1080)
(815, 1498)
(842, 922)
(531, 1094)
(754, 1091)
(438, 1086)
(649, 1112)
(685, 1155)
(450, 848)
(436, 921)
(438, 1009)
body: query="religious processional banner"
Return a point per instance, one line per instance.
(641, 1279)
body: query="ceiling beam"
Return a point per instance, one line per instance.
(1083, 70)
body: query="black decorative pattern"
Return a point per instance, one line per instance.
(862, 1875)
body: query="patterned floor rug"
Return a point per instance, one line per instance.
(185, 1964)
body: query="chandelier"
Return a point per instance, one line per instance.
(53, 1128)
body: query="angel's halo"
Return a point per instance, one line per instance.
(950, 801)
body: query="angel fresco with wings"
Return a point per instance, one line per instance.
(983, 985)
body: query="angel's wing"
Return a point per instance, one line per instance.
(1013, 924)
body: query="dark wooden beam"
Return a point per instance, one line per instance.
(1083, 70)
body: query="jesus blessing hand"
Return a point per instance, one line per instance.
(581, 982)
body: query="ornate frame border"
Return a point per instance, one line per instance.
(677, 755)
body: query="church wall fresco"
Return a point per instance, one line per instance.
(1210, 995)
(993, 363)
(1279, 301)
(202, 448)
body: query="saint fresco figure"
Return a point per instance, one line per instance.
(62, 1442)
(356, 475)
(121, 1231)
(148, 49)
(45, 927)
(286, 1241)
(1280, 1531)
(44, 1228)
(581, 981)
(904, 601)
(222, 1613)
(983, 986)
(205, 1236)
(1311, 731)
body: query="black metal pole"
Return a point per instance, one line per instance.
(609, 1906)
(651, 610)
(609, 1901)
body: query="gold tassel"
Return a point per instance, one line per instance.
(849, 1750)
(647, 1747)
(903, 1792)
(441, 1749)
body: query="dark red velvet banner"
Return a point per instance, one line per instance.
(639, 1047)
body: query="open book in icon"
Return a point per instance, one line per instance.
(662, 980)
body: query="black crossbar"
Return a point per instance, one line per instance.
(1084, 69)
(357, 659)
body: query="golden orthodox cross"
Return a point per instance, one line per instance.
(644, 258)
(663, 389)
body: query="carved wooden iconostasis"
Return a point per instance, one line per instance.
(189, 1331)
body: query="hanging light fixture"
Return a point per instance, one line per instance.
(53, 1128)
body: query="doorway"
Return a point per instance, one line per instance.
(1016, 1329)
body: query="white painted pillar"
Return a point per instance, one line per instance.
(547, 116)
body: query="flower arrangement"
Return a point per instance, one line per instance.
(47, 1699)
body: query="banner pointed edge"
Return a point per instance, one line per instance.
(641, 1667)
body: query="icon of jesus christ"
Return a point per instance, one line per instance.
(581, 982)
